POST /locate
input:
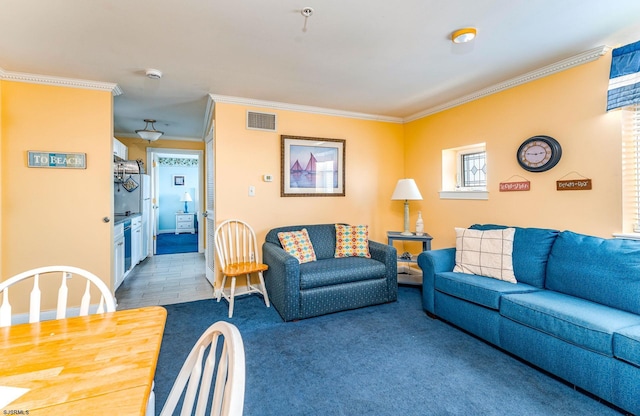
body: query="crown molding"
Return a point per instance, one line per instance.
(576, 60)
(215, 98)
(60, 81)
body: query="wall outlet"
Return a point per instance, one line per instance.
(267, 178)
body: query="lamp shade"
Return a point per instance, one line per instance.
(186, 197)
(150, 134)
(406, 190)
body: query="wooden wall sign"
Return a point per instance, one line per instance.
(574, 185)
(515, 186)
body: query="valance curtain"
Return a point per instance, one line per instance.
(624, 79)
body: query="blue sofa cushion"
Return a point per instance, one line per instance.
(626, 345)
(531, 247)
(480, 290)
(322, 236)
(577, 321)
(606, 271)
(335, 271)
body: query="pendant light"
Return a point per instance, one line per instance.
(149, 134)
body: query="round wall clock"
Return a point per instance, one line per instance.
(539, 153)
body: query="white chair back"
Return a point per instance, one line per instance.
(236, 243)
(225, 361)
(106, 303)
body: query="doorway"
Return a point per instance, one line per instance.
(176, 184)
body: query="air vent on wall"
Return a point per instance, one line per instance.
(261, 121)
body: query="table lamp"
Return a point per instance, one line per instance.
(186, 198)
(406, 190)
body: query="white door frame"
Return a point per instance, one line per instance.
(154, 153)
(209, 219)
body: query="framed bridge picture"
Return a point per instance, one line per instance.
(312, 166)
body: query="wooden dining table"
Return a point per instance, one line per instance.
(91, 365)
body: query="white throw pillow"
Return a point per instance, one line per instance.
(485, 253)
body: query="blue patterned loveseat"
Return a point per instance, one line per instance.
(328, 284)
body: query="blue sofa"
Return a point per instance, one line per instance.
(329, 284)
(575, 311)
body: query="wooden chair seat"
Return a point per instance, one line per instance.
(238, 269)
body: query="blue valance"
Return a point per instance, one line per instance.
(624, 79)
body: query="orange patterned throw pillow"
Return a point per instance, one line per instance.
(298, 244)
(352, 241)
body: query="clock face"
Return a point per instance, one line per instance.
(539, 153)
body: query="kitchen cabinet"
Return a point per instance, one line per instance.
(136, 241)
(118, 255)
(120, 149)
(185, 223)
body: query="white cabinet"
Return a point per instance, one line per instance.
(118, 255)
(136, 241)
(185, 223)
(119, 149)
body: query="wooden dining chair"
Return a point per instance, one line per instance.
(105, 303)
(224, 361)
(238, 255)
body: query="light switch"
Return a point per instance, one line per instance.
(267, 177)
(252, 190)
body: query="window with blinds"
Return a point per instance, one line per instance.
(631, 167)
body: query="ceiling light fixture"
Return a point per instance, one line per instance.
(464, 35)
(153, 73)
(306, 12)
(151, 135)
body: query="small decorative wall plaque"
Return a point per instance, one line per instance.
(574, 185)
(581, 184)
(56, 160)
(514, 186)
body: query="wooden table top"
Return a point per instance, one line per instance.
(90, 365)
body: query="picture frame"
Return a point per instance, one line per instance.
(178, 180)
(312, 166)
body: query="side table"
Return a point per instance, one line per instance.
(185, 223)
(412, 277)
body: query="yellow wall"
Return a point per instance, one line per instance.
(374, 162)
(55, 216)
(1, 198)
(569, 106)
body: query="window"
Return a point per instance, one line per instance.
(464, 172)
(631, 167)
(473, 170)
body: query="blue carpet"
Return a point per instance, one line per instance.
(382, 360)
(170, 243)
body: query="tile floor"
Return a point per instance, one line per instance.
(165, 279)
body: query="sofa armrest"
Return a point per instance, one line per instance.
(282, 280)
(389, 256)
(432, 262)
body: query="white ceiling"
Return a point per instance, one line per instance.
(387, 58)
